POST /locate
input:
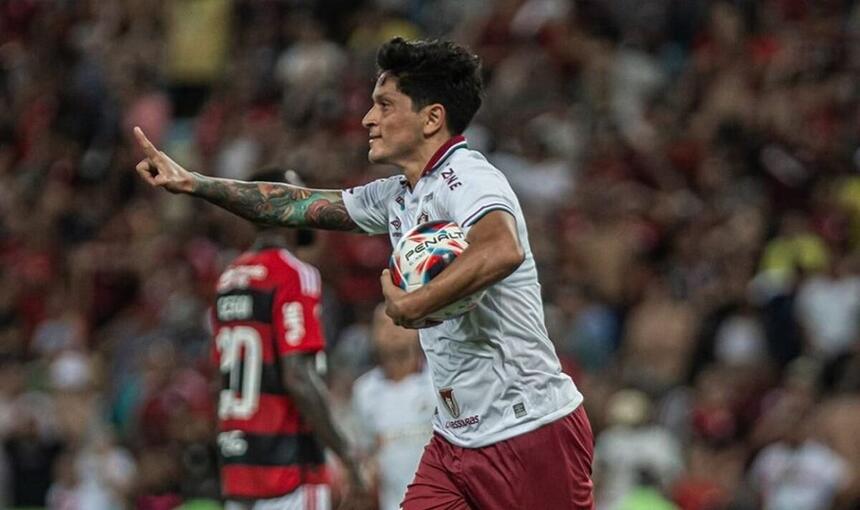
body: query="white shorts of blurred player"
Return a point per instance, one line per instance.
(306, 497)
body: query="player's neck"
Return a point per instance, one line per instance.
(414, 367)
(267, 240)
(397, 376)
(415, 166)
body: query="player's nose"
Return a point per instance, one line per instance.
(369, 118)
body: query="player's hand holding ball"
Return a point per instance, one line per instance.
(159, 170)
(395, 305)
(421, 255)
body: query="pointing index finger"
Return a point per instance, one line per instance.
(144, 142)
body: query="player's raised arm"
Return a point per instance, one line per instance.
(265, 203)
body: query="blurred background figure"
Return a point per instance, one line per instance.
(393, 404)
(690, 172)
(797, 455)
(637, 460)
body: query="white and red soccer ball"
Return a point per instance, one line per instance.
(424, 252)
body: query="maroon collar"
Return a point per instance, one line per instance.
(453, 143)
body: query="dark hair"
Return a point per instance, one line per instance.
(435, 72)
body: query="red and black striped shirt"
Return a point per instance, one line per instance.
(267, 307)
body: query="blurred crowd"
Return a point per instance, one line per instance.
(690, 171)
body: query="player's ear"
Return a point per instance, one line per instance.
(434, 120)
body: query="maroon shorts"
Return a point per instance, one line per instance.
(546, 468)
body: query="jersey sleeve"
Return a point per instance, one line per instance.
(367, 205)
(477, 192)
(296, 325)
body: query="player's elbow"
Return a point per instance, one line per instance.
(296, 377)
(509, 257)
(519, 256)
(302, 391)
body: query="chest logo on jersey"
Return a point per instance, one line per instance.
(447, 396)
(451, 178)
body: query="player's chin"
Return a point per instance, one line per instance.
(375, 156)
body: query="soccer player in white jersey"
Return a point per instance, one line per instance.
(510, 431)
(393, 404)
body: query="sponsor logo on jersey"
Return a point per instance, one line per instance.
(232, 443)
(465, 422)
(447, 395)
(235, 308)
(451, 178)
(240, 277)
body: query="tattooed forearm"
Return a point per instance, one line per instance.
(277, 204)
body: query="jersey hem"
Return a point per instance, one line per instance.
(255, 499)
(514, 431)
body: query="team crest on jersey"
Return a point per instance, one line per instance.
(450, 402)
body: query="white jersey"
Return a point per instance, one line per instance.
(396, 416)
(808, 476)
(495, 371)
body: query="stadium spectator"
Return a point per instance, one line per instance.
(393, 404)
(635, 457)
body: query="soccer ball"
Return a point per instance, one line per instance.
(423, 253)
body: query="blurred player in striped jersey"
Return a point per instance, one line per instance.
(273, 414)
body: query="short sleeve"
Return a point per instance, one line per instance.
(480, 191)
(295, 314)
(367, 205)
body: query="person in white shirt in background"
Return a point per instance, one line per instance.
(394, 404)
(633, 444)
(828, 307)
(800, 470)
